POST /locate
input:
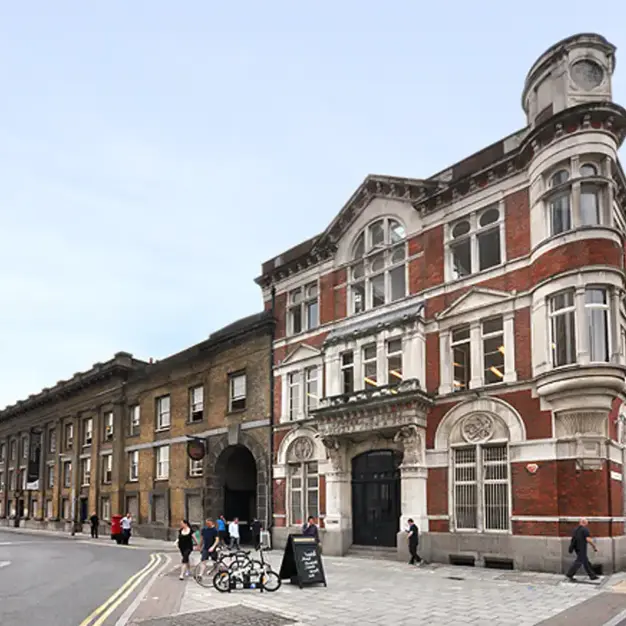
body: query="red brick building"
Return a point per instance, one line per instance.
(452, 349)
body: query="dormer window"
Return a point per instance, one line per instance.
(378, 273)
(303, 309)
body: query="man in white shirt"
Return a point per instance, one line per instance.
(127, 524)
(233, 531)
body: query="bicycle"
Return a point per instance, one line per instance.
(226, 559)
(255, 573)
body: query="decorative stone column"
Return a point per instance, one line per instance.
(413, 474)
(338, 520)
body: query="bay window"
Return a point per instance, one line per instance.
(562, 312)
(303, 492)
(481, 488)
(378, 273)
(597, 309)
(560, 204)
(475, 243)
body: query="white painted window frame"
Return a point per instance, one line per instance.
(163, 412)
(133, 466)
(162, 457)
(475, 230)
(480, 482)
(309, 294)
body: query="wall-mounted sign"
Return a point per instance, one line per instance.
(616, 476)
(196, 449)
(532, 468)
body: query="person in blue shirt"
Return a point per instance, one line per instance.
(209, 539)
(221, 529)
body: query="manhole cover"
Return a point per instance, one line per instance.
(239, 615)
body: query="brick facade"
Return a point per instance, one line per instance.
(158, 502)
(554, 414)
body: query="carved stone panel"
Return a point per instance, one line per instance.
(477, 428)
(572, 424)
(301, 450)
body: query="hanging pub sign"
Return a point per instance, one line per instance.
(34, 456)
(302, 561)
(196, 449)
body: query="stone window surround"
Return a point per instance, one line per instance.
(472, 216)
(315, 281)
(283, 373)
(506, 310)
(365, 279)
(413, 357)
(606, 278)
(572, 165)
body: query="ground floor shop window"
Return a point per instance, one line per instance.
(481, 488)
(303, 492)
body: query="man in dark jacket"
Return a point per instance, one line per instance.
(95, 522)
(256, 533)
(413, 543)
(310, 529)
(580, 538)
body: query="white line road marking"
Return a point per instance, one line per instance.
(4, 564)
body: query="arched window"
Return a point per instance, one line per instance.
(476, 248)
(303, 481)
(589, 197)
(560, 204)
(378, 272)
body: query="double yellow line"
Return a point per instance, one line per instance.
(104, 611)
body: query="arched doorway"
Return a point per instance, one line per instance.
(376, 498)
(237, 472)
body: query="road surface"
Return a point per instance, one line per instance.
(55, 581)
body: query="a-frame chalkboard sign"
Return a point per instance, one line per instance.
(302, 561)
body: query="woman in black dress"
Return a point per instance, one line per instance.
(185, 545)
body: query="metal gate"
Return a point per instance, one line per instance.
(376, 498)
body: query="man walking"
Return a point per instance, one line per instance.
(208, 545)
(580, 538)
(95, 522)
(221, 529)
(127, 524)
(233, 531)
(413, 543)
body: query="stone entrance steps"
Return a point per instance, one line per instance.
(374, 552)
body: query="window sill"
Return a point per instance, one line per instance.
(236, 411)
(162, 480)
(162, 429)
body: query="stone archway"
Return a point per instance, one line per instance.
(244, 452)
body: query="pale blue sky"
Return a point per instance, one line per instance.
(153, 153)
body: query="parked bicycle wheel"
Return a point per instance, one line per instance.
(221, 581)
(271, 581)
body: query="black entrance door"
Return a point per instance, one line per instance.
(376, 498)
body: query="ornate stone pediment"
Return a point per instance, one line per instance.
(476, 298)
(373, 411)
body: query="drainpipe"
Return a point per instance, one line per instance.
(270, 504)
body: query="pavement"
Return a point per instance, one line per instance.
(373, 592)
(79, 574)
(52, 581)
